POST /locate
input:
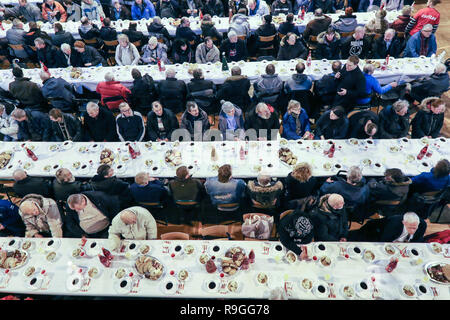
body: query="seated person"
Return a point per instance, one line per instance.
(397, 228)
(373, 85)
(319, 24)
(363, 125)
(46, 52)
(154, 51)
(354, 188)
(224, 189)
(11, 223)
(235, 49)
(429, 119)
(130, 124)
(295, 230)
(25, 184)
(240, 24)
(332, 124)
(437, 179)
(390, 45)
(107, 32)
(61, 36)
(394, 120)
(328, 44)
(231, 122)
(134, 223)
(59, 90)
(377, 25)
(184, 187)
(143, 91)
(330, 218)
(357, 44)
(134, 35)
(90, 214)
(172, 92)
(288, 26)
(158, 30)
(347, 22)
(212, 8)
(73, 11)
(161, 122)
(34, 33)
(119, 11)
(67, 57)
(27, 92)
(266, 29)
(8, 126)
(126, 53)
(65, 184)
(235, 89)
(112, 92)
(208, 28)
(148, 189)
(89, 31)
(402, 20)
(264, 120)
(298, 81)
(99, 124)
(268, 87)
(295, 122)
(325, 88)
(185, 32)
(202, 91)
(65, 126)
(432, 86)
(168, 8)
(192, 117)
(291, 47)
(142, 9)
(207, 52)
(53, 11)
(89, 56)
(182, 52)
(264, 192)
(422, 43)
(41, 217)
(300, 183)
(258, 8)
(33, 125)
(394, 186)
(281, 6)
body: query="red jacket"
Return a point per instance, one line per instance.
(114, 90)
(425, 16)
(400, 24)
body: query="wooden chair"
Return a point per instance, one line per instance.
(242, 38)
(347, 34)
(154, 207)
(16, 46)
(377, 36)
(218, 232)
(280, 36)
(228, 206)
(94, 43)
(401, 35)
(352, 113)
(266, 43)
(285, 213)
(175, 236)
(187, 206)
(161, 40)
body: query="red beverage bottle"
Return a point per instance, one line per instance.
(387, 60)
(31, 154)
(246, 148)
(331, 151)
(303, 12)
(230, 15)
(308, 60)
(242, 153)
(251, 256)
(422, 152)
(107, 254)
(392, 265)
(104, 261)
(131, 150)
(245, 264)
(1, 26)
(201, 15)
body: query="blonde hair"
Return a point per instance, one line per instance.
(302, 172)
(141, 178)
(293, 104)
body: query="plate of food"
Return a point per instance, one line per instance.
(148, 145)
(189, 249)
(325, 261)
(394, 149)
(408, 291)
(306, 284)
(148, 163)
(366, 162)
(31, 270)
(348, 291)
(436, 248)
(234, 286)
(204, 258)
(368, 255)
(425, 140)
(233, 261)
(5, 158)
(121, 168)
(283, 142)
(52, 244)
(150, 267)
(438, 272)
(353, 142)
(53, 147)
(290, 257)
(327, 166)
(76, 165)
(184, 275)
(410, 158)
(13, 259)
(257, 168)
(83, 149)
(28, 245)
(173, 158)
(287, 157)
(214, 167)
(389, 249)
(107, 156)
(27, 165)
(145, 249)
(262, 279)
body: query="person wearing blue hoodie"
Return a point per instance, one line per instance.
(231, 122)
(11, 223)
(422, 43)
(437, 179)
(224, 189)
(295, 122)
(142, 9)
(372, 84)
(258, 7)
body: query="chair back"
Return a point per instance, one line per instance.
(347, 34)
(156, 205)
(16, 46)
(112, 43)
(186, 203)
(228, 206)
(285, 213)
(216, 232)
(266, 43)
(401, 35)
(242, 37)
(92, 41)
(175, 236)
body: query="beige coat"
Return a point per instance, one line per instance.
(143, 229)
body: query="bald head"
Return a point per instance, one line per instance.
(336, 201)
(29, 207)
(19, 175)
(128, 217)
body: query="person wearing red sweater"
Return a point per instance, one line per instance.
(112, 92)
(428, 15)
(403, 20)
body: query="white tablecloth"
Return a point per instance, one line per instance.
(221, 24)
(260, 157)
(58, 276)
(407, 69)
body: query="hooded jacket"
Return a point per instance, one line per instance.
(354, 194)
(37, 127)
(235, 89)
(48, 220)
(146, 12)
(391, 125)
(238, 118)
(73, 126)
(432, 86)
(203, 55)
(181, 56)
(159, 31)
(389, 190)
(239, 23)
(296, 229)
(290, 125)
(426, 123)
(185, 33)
(345, 24)
(330, 224)
(60, 89)
(328, 50)
(288, 52)
(113, 92)
(268, 88)
(187, 121)
(298, 82)
(169, 120)
(209, 30)
(266, 196)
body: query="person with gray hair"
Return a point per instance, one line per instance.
(112, 92)
(265, 120)
(25, 184)
(194, 118)
(319, 24)
(231, 121)
(394, 120)
(65, 185)
(46, 53)
(15, 36)
(432, 86)
(373, 85)
(29, 12)
(358, 44)
(235, 49)
(353, 188)
(59, 91)
(154, 51)
(8, 126)
(235, 89)
(130, 124)
(126, 52)
(390, 45)
(422, 43)
(265, 193)
(99, 124)
(158, 30)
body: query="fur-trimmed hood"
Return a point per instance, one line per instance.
(254, 186)
(424, 104)
(236, 78)
(321, 37)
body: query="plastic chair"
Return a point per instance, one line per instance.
(175, 236)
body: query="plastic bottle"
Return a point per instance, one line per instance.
(422, 152)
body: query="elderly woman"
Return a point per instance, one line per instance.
(430, 118)
(134, 223)
(65, 184)
(295, 122)
(126, 52)
(41, 217)
(432, 86)
(231, 122)
(207, 52)
(330, 219)
(379, 24)
(291, 47)
(300, 183)
(154, 51)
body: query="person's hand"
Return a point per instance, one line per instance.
(329, 180)
(152, 179)
(343, 240)
(304, 254)
(2, 227)
(306, 135)
(158, 139)
(195, 10)
(262, 139)
(88, 64)
(393, 84)
(343, 92)
(236, 138)
(53, 13)
(322, 138)
(166, 140)
(2, 9)
(37, 235)
(337, 75)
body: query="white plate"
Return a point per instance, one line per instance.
(300, 284)
(28, 271)
(123, 285)
(92, 275)
(235, 286)
(320, 248)
(34, 282)
(155, 170)
(74, 282)
(260, 276)
(92, 248)
(433, 245)
(427, 295)
(66, 145)
(53, 147)
(169, 286)
(51, 244)
(323, 286)
(392, 247)
(13, 244)
(402, 292)
(216, 250)
(352, 253)
(121, 168)
(368, 253)
(209, 287)
(341, 291)
(362, 292)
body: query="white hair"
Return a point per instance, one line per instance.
(354, 174)
(411, 217)
(109, 76)
(400, 105)
(65, 46)
(390, 30)
(440, 68)
(427, 27)
(170, 73)
(92, 106)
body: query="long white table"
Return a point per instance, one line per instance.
(67, 275)
(261, 156)
(221, 23)
(407, 69)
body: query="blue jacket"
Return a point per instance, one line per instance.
(154, 191)
(38, 127)
(148, 11)
(353, 195)
(372, 84)
(59, 88)
(412, 49)
(364, 5)
(298, 82)
(426, 182)
(222, 193)
(10, 219)
(289, 126)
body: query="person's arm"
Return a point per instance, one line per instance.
(62, 12)
(44, 12)
(141, 134)
(418, 235)
(412, 22)
(119, 129)
(380, 89)
(285, 238)
(98, 59)
(114, 235)
(150, 227)
(54, 220)
(289, 130)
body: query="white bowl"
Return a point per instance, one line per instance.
(34, 282)
(74, 282)
(123, 285)
(321, 290)
(169, 286)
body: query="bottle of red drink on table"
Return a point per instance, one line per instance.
(308, 60)
(131, 150)
(201, 15)
(105, 261)
(246, 148)
(392, 265)
(387, 60)
(242, 153)
(303, 12)
(107, 254)
(422, 152)
(331, 151)
(31, 154)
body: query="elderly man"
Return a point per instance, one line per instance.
(161, 122)
(154, 51)
(25, 184)
(15, 36)
(363, 125)
(231, 122)
(298, 81)
(65, 126)
(352, 85)
(234, 48)
(172, 92)
(27, 92)
(134, 223)
(429, 119)
(184, 31)
(319, 24)
(397, 228)
(90, 213)
(112, 92)
(126, 52)
(195, 120)
(281, 6)
(265, 120)
(99, 124)
(432, 86)
(258, 8)
(59, 91)
(330, 218)
(33, 125)
(387, 45)
(30, 12)
(207, 52)
(268, 87)
(372, 84)
(394, 120)
(422, 43)
(130, 124)
(356, 45)
(65, 185)
(264, 192)
(41, 217)
(90, 57)
(46, 53)
(148, 189)
(235, 89)
(67, 57)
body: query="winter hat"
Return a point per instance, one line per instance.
(227, 106)
(17, 72)
(338, 111)
(153, 41)
(268, 18)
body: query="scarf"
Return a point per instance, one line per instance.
(253, 12)
(423, 45)
(298, 124)
(231, 122)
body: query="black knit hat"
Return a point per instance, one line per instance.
(338, 111)
(17, 72)
(268, 18)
